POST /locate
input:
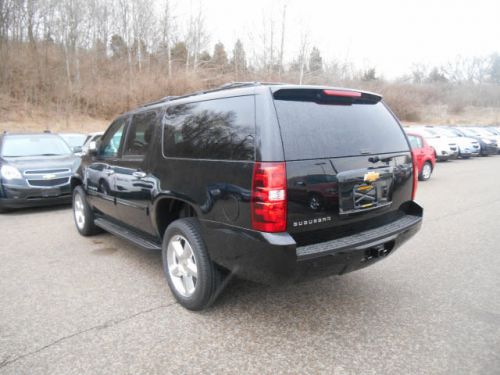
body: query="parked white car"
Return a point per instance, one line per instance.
(467, 147)
(445, 148)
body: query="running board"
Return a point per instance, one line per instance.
(126, 234)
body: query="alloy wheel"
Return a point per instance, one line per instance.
(182, 266)
(79, 211)
(426, 171)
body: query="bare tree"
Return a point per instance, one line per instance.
(282, 44)
(303, 53)
(166, 23)
(196, 37)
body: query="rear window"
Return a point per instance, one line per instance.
(311, 130)
(212, 129)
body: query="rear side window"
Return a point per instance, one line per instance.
(311, 130)
(213, 129)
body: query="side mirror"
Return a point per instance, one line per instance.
(93, 148)
(77, 149)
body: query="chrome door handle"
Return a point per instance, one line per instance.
(139, 174)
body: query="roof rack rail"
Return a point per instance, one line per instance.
(226, 86)
(232, 85)
(164, 99)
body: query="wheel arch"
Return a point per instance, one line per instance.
(75, 181)
(166, 209)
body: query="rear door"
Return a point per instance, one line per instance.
(347, 159)
(133, 183)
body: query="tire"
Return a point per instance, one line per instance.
(193, 278)
(426, 171)
(82, 213)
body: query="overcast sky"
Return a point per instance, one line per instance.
(388, 34)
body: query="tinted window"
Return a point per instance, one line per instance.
(34, 145)
(311, 130)
(140, 133)
(110, 144)
(214, 129)
(415, 142)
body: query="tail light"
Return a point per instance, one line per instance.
(415, 178)
(269, 201)
(342, 93)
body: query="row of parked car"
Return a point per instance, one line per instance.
(441, 143)
(430, 144)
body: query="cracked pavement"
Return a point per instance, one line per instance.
(74, 305)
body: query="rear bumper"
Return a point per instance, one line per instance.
(275, 258)
(12, 197)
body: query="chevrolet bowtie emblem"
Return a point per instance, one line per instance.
(50, 176)
(371, 177)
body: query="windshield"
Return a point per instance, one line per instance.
(74, 140)
(457, 133)
(492, 131)
(426, 133)
(445, 132)
(469, 132)
(34, 145)
(483, 132)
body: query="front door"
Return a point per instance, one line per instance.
(100, 174)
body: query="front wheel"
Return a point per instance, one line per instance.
(192, 277)
(82, 213)
(426, 172)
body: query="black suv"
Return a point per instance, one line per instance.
(268, 182)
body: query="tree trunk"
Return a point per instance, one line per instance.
(283, 22)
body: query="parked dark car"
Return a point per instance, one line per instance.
(488, 145)
(223, 182)
(35, 170)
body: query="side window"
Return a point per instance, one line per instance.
(212, 129)
(111, 140)
(140, 133)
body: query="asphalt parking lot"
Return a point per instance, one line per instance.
(100, 306)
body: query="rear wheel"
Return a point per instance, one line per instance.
(426, 171)
(82, 213)
(192, 277)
